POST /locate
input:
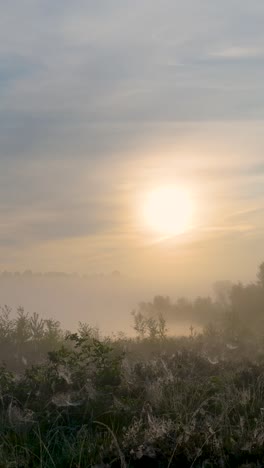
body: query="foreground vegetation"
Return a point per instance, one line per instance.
(81, 400)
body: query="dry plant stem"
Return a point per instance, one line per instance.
(205, 442)
(172, 455)
(81, 452)
(121, 456)
(46, 449)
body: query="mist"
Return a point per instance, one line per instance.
(104, 300)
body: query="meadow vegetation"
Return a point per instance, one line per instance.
(84, 400)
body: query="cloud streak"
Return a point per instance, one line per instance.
(95, 97)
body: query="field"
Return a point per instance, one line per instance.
(81, 400)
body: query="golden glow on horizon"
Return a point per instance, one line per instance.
(167, 210)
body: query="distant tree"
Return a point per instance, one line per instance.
(162, 329)
(140, 325)
(260, 274)
(87, 331)
(22, 330)
(36, 326)
(152, 325)
(203, 309)
(53, 333)
(6, 324)
(222, 292)
(161, 303)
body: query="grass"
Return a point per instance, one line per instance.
(189, 402)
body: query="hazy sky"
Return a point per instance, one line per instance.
(101, 102)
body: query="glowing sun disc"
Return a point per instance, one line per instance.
(167, 210)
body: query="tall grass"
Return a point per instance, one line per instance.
(165, 402)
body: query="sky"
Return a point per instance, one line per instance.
(103, 101)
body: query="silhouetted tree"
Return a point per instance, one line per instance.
(260, 274)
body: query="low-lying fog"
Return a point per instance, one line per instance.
(105, 301)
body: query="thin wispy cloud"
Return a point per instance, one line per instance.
(99, 101)
(239, 52)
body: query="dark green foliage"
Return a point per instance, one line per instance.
(167, 402)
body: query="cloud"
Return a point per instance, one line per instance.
(111, 64)
(228, 228)
(239, 52)
(100, 95)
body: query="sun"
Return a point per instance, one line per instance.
(167, 210)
